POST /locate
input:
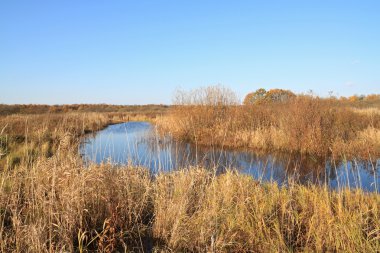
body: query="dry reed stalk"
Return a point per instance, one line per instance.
(56, 204)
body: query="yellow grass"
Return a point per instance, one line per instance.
(60, 205)
(197, 211)
(367, 111)
(56, 204)
(304, 124)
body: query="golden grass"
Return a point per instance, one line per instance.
(371, 136)
(367, 111)
(27, 136)
(196, 211)
(149, 111)
(59, 205)
(56, 204)
(304, 124)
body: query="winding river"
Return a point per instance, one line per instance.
(137, 143)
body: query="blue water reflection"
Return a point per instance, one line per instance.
(137, 143)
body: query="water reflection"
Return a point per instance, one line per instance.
(137, 143)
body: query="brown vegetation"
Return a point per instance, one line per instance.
(132, 110)
(262, 96)
(196, 211)
(53, 203)
(25, 136)
(303, 124)
(59, 205)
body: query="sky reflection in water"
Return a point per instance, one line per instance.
(137, 143)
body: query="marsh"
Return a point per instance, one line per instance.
(140, 144)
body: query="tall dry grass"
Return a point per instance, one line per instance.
(372, 111)
(59, 205)
(198, 212)
(305, 124)
(56, 204)
(25, 137)
(28, 136)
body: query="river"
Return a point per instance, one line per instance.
(138, 143)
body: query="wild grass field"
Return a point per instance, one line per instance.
(305, 124)
(51, 202)
(131, 110)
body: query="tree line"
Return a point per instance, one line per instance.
(262, 96)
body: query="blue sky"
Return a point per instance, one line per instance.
(138, 52)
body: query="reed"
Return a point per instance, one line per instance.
(59, 205)
(303, 124)
(197, 211)
(56, 204)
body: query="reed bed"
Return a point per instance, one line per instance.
(28, 136)
(198, 212)
(56, 204)
(372, 111)
(59, 205)
(303, 124)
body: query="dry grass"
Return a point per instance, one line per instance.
(196, 211)
(27, 136)
(59, 205)
(371, 111)
(56, 204)
(149, 111)
(305, 124)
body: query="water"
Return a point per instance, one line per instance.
(137, 143)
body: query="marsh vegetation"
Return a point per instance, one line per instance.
(53, 201)
(140, 144)
(303, 124)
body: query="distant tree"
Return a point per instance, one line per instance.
(272, 96)
(353, 98)
(255, 97)
(356, 98)
(279, 95)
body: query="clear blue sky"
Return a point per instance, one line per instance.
(138, 52)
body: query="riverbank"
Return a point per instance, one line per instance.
(304, 124)
(27, 136)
